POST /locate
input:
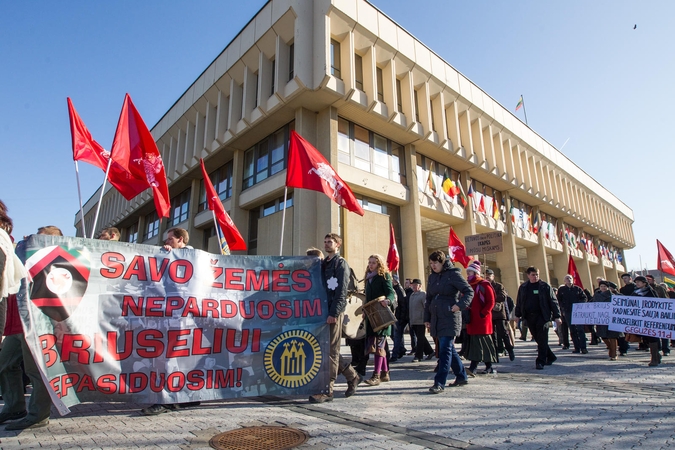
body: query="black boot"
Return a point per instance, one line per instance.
(656, 356)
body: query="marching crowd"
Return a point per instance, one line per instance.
(476, 312)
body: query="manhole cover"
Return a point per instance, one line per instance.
(262, 438)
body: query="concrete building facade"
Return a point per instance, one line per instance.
(395, 121)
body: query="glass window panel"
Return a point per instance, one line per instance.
(380, 157)
(262, 161)
(248, 168)
(358, 71)
(361, 143)
(277, 151)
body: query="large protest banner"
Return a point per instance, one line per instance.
(646, 316)
(110, 321)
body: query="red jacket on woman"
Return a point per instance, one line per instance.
(481, 307)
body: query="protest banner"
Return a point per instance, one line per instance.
(591, 313)
(109, 321)
(646, 316)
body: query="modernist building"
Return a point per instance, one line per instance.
(394, 119)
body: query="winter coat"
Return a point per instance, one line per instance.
(336, 281)
(416, 307)
(603, 331)
(401, 302)
(444, 290)
(481, 307)
(567, 297)
(499, 311)
(628, 289)
(376, 287)
(548, 304)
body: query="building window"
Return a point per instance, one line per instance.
(222, 182)
(152, 225)
(372, 205)
(267, 157)
(380, 89)
(335, 59)
(207, 234)
(132, 233)
(291, 62)
(263, 211)
(358, 71)
(180, 207)
(417, 107)
(369, 151)
(256, 97)
(399, 102)
(431, 109)
(272, 85)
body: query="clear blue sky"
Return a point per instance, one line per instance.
(585, 73)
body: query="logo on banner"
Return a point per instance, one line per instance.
(59, 279)
(293, 358)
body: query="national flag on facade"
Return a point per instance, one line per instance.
(457, 250)
(495, 208)
(134, 149)
(449, 186)
(462, 196)
(471, 191)
(431, 182)
(572, 270)
(308, 169)
(229, 232)
(669, 282)
(481, 204)
(520, 103)
(393, 258)
(666, 263)
(535, 224)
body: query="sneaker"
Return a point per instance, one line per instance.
(436, 389)
(321, 398)
(156, 409)
(415, 360)
(352, 386)
(4, 417)
(428, 357)
(25, 424)
(458, 383)
(470, 373)
(584, 351)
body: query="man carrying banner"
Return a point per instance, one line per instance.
(537, 304)
(109, 234)
(335, 273)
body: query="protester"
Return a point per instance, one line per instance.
(15, 351)
(397, 334)
(335, 274)
(661, 292)
(402, 317)
(536, 303)
(378, 287)
(604, 295)
(448, 293)
(479, 328)
(568, 294)
(628, 286)
(417, 300)
(109, 234)
(500, 316)
(643, 289)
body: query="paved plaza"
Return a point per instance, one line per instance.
(582, 401)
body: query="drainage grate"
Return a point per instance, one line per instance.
(259, 438)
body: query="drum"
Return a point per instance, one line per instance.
(379, 316)
(353, 325)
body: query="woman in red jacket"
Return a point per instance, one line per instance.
(479, 328)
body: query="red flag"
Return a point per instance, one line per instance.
(393, 258)
(481, 204)
(666, 263)
(572, 270)
(308, 169)
(85, 148)
(229, 229)
(456, 250)
(135, 150)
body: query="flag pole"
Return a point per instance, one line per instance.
(283, 223)
(218, 230)
(98, 207)
(524, 110)
(79, 194)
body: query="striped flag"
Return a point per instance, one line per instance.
(520, 103)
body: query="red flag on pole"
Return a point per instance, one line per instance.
(393, 258)
(572, 270)
(308, 169)
(456, 250)
(666, 263)
(234, 239)
(135, 150)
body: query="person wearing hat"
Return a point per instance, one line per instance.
(536, 303)
(479, 329)
(642, 289)
(416, 312)
(604, 295)
(500, 316)
(628, 286)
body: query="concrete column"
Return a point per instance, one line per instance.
(507, 261)
(413, 257)
(536, 256)
(239, 216)
(196, 235)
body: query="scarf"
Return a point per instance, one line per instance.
(370, 276)
(14, 269)
(475, 282)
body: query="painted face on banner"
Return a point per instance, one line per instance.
(59, 279)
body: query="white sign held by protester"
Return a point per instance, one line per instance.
(646, 316)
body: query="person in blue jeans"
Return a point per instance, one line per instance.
(448, 293)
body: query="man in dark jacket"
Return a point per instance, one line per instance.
(499, 316)
(401, 314)
(448, 293)
(628, 286)
(537, 304)
(335, 271)
(568, 294)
